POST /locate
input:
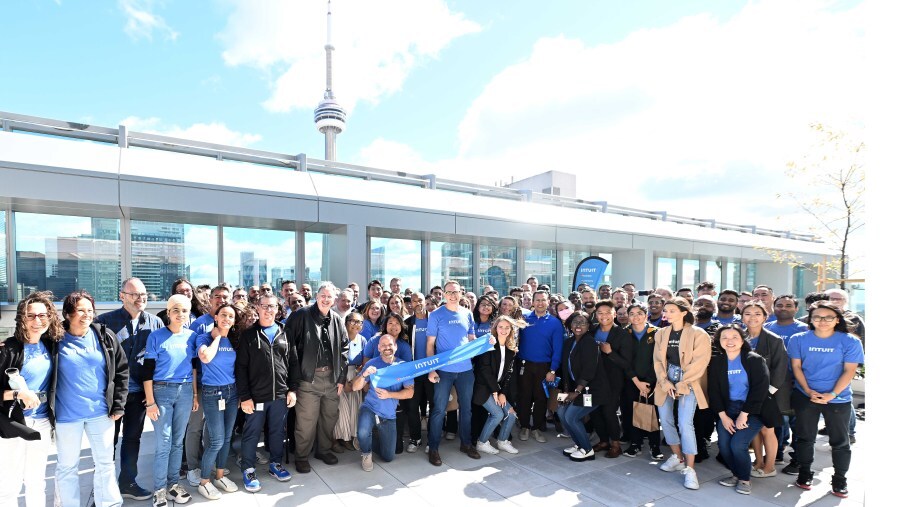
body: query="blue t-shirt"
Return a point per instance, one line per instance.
(204, 324)
(386, 409)
(754, 342)
(355, 354)
(482, 329)
(822, 360)
(173, 354)
(451, 330)
(368, 330)
(725, 320)
(638, 335)
(601, 336)
(404, 352)
(219, 371)
(81, 379)
(772, 317)
(36, 368)
(271, 332)
(738, 381)
(421, 339)
(785, 332)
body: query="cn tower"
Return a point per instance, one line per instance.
(330, 116)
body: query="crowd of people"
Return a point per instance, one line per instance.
(295, 369)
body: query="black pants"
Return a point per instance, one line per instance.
(605, 422)
(637, 435)
(837, 421)
(422, 398)
(531, 391)
(132, 426)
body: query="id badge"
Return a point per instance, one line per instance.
(259, 407)
(377, 420)
(522, 371)
(587, 399)
(221, 404)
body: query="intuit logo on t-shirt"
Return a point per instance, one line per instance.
(821, 349)
(455, 321)
(734, 372)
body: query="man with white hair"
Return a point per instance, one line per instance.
(344, 303)
(854, 322)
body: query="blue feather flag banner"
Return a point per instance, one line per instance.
(397, 373)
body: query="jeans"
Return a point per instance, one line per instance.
(837, 420)
(132, 426)
(274, 413)
(387, 434)
(570, 416)
(174, 401)
(193, 438)
(29, 466)
(496, 415)
(219, 424)
(99, 431)
(733, 448)
(687, 404)
(465, 382)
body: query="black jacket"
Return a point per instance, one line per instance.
(116, 371)
(618, 362)
(263, 371)
(717, 382)
(588, 370)
(771, 347)
(642, 361)
(134, 342)
(302, 329)
(12, 355)
(487, 368)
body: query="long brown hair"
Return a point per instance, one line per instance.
(54, 332)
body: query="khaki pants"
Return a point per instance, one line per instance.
(317, 414)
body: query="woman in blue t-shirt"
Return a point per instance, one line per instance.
(824, 361)
(30, 350)
(738, 384)
(91, 388)
(372, 312)
(170, 385)
(219, 398)
(484, 313)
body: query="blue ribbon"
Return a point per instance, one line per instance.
(397, 373)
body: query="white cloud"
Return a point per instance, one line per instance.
(214, 132)
(697, 118)
(377, 44)
(142, 23)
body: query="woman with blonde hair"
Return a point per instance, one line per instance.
(495, 384)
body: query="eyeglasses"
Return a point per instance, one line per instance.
(451, 292)
(136, 295)
(268, 308)
(35, 316)
(819, 318)
(355, 322)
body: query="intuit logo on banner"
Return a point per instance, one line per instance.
(397, 373)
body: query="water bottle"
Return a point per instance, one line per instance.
(16, 380)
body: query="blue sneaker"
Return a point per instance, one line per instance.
(277, 471)
(251, 483)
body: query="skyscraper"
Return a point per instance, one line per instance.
(330, 116)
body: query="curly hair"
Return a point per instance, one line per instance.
(54, 330)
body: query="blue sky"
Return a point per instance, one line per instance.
(692, 106)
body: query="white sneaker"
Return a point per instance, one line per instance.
(506, 446)
(569, 450)
(672, 464)
(225, 484)
(450, 436)
(209, 491)
(367, 464)
(582, 455)
(178, 494)
(413, 446)
(486, 448)
(193, 477)
(690, 478)
(159, 498)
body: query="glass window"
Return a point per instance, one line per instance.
(65, 253)
(733, 276)
(497, 267)
(452, 261)
(255, 256)
(690, 273)
(4, 280)
(570, 260)
(751, 276)
(665, 273)
(541, 264)
(315, 258)
(401, 258)
(163, 252)
(714, 273)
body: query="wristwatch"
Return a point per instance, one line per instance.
(553, 372)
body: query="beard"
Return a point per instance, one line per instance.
(589, 305)
(704, 314)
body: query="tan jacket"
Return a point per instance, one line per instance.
(695, 350)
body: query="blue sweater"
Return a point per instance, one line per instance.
(542, 340)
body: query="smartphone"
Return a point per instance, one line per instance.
(561, 396)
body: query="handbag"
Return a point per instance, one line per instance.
(644, 414)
